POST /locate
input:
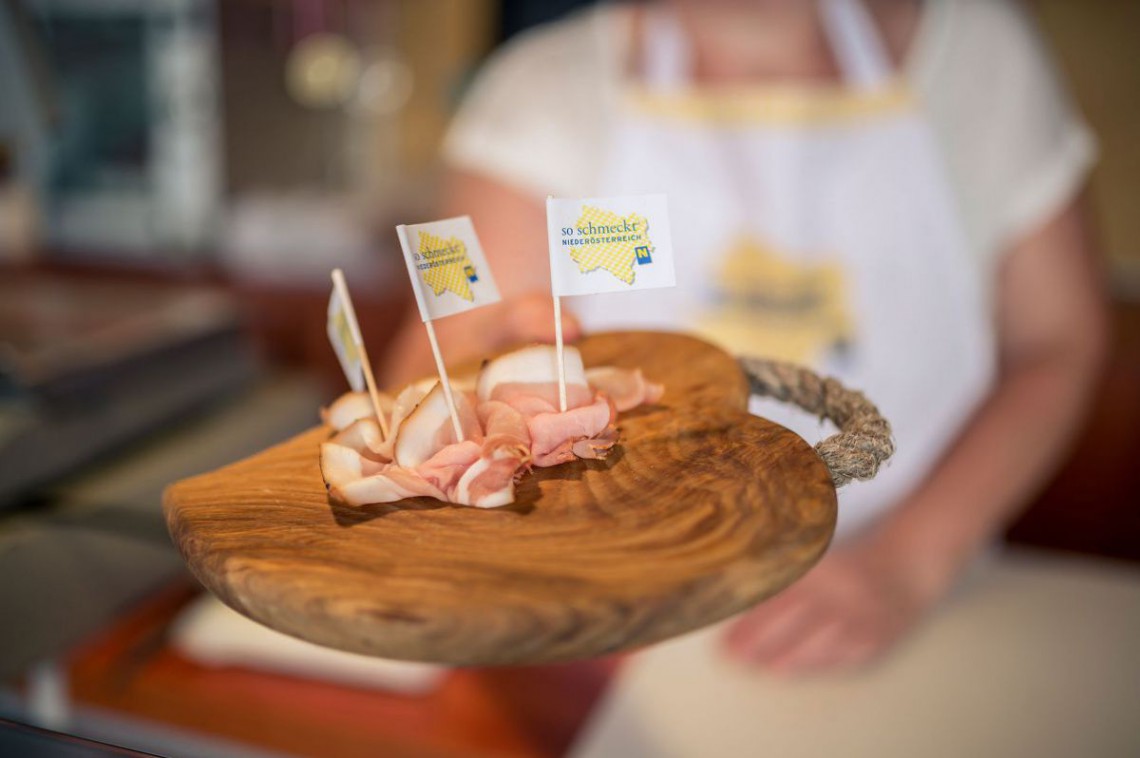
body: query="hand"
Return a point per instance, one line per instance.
(530, 318)
(474, 335)
(846, 612)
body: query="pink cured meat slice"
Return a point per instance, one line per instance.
(553, 435)
(628, 388)
(505, 430)
(428, 429)
(541, 397)
(490, 482)
(447, 465)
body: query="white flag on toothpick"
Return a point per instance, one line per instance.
(609, 244)
(344, 335)
(446, 264)
(605, 244)
(449, 275)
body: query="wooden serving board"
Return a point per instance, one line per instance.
(700, 512)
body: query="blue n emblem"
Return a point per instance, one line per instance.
(469, 272)
(643, 255)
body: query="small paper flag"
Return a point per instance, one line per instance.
(609, 244)
(344, 334)
(446, 264)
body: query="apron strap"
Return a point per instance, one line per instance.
(667, 58)
(856, 43)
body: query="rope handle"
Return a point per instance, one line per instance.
(864, 441)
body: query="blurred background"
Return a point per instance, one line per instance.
(177, 178)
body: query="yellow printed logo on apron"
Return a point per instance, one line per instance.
(769, 304)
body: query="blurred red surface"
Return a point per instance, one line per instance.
(521, 711)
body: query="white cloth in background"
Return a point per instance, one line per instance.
(210, 633)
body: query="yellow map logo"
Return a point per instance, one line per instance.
(444, 265)
(605, 240)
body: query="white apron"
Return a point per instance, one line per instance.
(816, 226)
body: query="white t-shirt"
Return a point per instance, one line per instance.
(539, 115)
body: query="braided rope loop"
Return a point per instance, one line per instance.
(864, 441)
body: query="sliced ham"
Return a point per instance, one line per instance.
(405, 403)
(448, 464)
(628, 388)
(541, 397)
(489, 483)
(505, 430)
(554, 435)
(389, 486)
(428, 428)
(510, 419)
(364, 436)
(527, 380)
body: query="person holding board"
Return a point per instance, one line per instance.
(887, 191)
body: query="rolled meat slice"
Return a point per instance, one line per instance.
(480, 470)
(527, 380)
(505, 431)
(364, 436)
(557, 437)
(428, 428)
(490, 482)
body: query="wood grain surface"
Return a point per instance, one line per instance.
(700, 512)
